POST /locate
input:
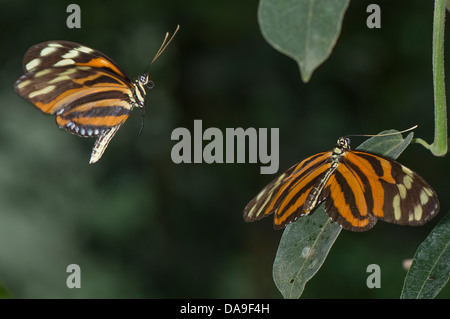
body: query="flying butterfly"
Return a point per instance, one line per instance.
(88, 92)
(358, 189)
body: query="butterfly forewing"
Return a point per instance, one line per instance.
(65, 53)
(58, 88)
(86, 91)
(409, 199)
(286, 194)
(358, 188)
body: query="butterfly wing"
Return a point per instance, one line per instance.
(85, 100)
(86, 91)
(286, 195)
(360, 189)
(347, 201)
(50, 54)
(395, 193)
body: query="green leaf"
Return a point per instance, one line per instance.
(303, 248)
(4, 293)
(305, 30)
(305, 243)
(430, 269)
(390, 146)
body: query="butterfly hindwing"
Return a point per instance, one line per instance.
(347, 202)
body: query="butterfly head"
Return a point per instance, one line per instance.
(343, 143)
(143, 79)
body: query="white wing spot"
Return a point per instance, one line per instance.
(59, 79)
(64, 62)
(71, 125)
(407, 171)
(396, 206)
(48, 50)
(32, 64)
(43, 72)
(424, 197)
(55, 45)
(269, 196)
(428, 191)
(45, 90)
(71, 54)
(402, 191)
(84, 49)
(407, 181)
(69, 71)
(23, 84)
(418, 212)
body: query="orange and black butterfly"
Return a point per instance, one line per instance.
(87, 91)
(358, 188)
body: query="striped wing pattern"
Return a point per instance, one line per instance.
(85, 90)
(358, 188)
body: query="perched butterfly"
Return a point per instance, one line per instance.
(358, 188)
(88, 92)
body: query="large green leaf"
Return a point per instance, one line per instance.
(430, 270)
(305, 30)
(305, 243)
(302, 251)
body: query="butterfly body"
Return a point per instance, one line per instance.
(85, 90)
(358, 189)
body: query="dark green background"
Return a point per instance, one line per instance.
(141, 226)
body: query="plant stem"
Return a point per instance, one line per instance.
(439, 146)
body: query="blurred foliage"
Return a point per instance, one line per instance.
(140, 226)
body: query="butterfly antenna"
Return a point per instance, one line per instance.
(161, 49)
(164, 45)
(387, 134)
